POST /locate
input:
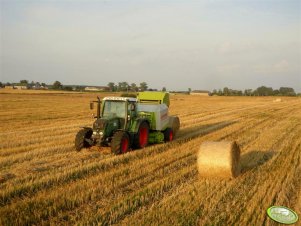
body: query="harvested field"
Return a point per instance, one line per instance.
(43, 180)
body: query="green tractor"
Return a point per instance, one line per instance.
(125, 123)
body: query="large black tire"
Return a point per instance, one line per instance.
(120, 143)
(80, 141)
(141, 138)
(168, 135)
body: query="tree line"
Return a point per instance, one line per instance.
(124, 86)
(57, 85)
(24, 83)
(41, 85)
(143, 86)
(260, 91)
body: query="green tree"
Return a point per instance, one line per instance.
(111, 85)
(143, 86)
(164, 89)
(25, 82)
(276, 92)
(226, 91)
(119, 86)
(67, 88)
(78, 88)
(57, 85)
(264, 91)
(248, 92)
(189, 90)
(134, 87)
(123, 86)
(1, 85)
(287, 91)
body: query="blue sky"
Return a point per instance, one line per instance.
(177, 44)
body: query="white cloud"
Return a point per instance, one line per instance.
(279, 67)
(225, 47)
(228, 69)
(240, 47)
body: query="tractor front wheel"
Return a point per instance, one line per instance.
(80, 139)
(120, 143)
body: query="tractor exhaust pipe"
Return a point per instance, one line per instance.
(98, 107)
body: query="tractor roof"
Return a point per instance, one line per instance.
(121, 98)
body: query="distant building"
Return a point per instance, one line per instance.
(38, 86)
(9, 87)
(200, 92)
(97, 88)
(16, 86)
(91, 89)
(20, 87)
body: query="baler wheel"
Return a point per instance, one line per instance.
(168, 135)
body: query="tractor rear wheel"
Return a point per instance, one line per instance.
(80, 139)
(141, 138)
(168, 135)
(120, 143)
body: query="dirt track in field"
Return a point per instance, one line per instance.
(43, 180)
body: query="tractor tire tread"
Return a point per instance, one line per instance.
(136, 138)
(167, 134)
(80, 139)
(116, 142)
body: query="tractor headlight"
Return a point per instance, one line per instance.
(97, 134)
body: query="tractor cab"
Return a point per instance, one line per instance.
(112, 109)
(119, 107)
(113, 114)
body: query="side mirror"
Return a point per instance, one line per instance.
(91, 105)
(132, 107)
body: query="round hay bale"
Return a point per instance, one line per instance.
(277, 100)
(219, 159)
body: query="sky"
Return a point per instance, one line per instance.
(205, 44)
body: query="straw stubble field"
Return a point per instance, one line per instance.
(43, 180)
